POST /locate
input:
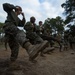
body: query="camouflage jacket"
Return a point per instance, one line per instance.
(30, 27)
(12, 17)
(39, 29)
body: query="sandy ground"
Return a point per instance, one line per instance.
(56, 63)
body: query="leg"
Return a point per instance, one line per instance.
(49, 38)
(14, 46)
(5, 41)
(32, 50)
(71, 46)
(34, 38)
(5, 45)
(20, 36)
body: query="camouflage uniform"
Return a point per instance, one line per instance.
(16, 36)
(44, 34)
(11, 29)
(31, 33)
(33, 36)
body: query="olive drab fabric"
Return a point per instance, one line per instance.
(18, 37)
(31, 33)
(12, 32)
(12, 17)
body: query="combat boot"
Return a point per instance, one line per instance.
(48, 49)
(33, 50)
(42, 54)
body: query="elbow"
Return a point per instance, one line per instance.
(5, 8)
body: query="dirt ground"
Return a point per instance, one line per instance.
(56, 63)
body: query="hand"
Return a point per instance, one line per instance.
(22, 14)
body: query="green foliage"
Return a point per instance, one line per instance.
(47, 25)
(69, 7)
(54, 24)
(59, 24)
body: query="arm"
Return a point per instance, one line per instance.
(28, 27)
(8, 7)
(22, 22)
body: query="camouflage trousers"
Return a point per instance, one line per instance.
(15, 37)
(14, 46)
(34, 37)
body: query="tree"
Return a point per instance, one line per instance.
(59, 24)
(54, 24)
(47, 25)
(69, 7)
